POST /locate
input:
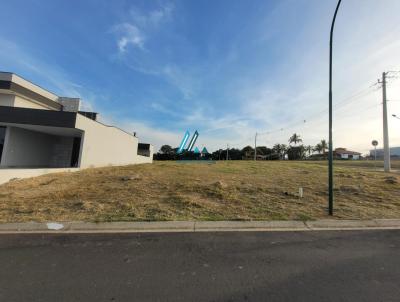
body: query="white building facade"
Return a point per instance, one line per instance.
(41, 132)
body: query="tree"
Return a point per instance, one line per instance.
(248, 149)
(296, 152)
(309, 149)
(247, 152)
(324, 146)
(166, 149)
(235, 154)
(277, 149)
(280, 149)
(262, 150)
(318, 148)
(295, 138)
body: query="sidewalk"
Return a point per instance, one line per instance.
(196, 226)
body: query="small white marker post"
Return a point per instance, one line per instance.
(301, 192)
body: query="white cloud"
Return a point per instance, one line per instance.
(137, 28)
(128, 35)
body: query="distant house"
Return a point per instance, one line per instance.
(343, 153)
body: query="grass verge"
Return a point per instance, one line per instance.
(233, 190)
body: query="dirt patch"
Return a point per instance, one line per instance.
(391, 180)
(350, 188)
(220, 184)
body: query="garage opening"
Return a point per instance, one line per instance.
(41, 147)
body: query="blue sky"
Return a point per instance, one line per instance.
(226, 68)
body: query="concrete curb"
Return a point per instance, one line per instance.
(197, 226)
(213, 226)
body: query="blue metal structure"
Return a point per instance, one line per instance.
(184, 141)
(193, 140)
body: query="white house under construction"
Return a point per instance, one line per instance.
(41, 132)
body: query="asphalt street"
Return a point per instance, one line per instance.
(225, 266)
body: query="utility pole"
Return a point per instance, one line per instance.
(386, 149)
(255, 147)
(227, 151)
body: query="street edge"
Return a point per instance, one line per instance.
(197, 226)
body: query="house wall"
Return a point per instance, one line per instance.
(104, 145)
(8, 174)
(347, 156)
(143, 159)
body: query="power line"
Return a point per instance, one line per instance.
(344, 102)
(320, 114)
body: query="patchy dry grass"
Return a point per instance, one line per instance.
(231, 190)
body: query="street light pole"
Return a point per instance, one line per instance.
(330, 172)
(395, 116)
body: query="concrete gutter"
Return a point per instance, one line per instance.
(197, 226)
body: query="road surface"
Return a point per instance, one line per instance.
(228, 266)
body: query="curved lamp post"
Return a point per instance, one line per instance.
(330, 172)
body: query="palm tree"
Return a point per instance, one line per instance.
(318, 148)
(284, 149)
(309, 149)
(295, 138)
(324, 146)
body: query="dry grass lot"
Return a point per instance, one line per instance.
(234, 190)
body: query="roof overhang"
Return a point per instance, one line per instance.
(17, 85)
(56, 131)
(27, 116)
